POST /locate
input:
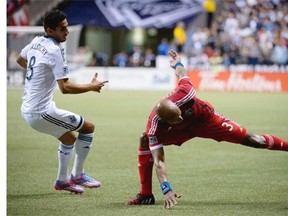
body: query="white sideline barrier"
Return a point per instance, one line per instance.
(134, 78)
(162, 77)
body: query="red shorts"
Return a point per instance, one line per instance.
(217, 127)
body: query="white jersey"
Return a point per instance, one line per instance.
(46, 63)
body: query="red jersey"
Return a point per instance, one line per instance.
(199, 120)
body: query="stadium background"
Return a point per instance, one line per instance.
(244, 37)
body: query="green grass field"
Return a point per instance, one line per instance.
(213, 178)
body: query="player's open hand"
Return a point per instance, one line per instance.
(170, 199)
(97, 85)
(175, 57)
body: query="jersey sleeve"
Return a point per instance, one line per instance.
(153, 131)
(58, 63)
(183, 93)
(24, 51)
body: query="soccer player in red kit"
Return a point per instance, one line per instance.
(177, 118)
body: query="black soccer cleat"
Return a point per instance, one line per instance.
(142, 200)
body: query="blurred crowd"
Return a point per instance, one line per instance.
(251, 32)
(136, 57)
(244, 32)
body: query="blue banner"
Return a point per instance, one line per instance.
(132, 13)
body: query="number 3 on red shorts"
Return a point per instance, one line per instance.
(230, 126)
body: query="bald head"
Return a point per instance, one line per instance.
(168, 111)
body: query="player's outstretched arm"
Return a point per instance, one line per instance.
(168, 194)
(68, 87)
(175, 62)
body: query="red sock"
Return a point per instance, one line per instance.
(145, 167)
(275, 143)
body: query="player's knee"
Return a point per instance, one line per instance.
(255, 141)
(68, 138)
(91, 127)
(144, 140)
(88, 127)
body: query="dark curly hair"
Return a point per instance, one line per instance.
(53, 18)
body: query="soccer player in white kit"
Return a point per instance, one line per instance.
(45, 61)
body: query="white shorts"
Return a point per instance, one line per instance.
(55, 122)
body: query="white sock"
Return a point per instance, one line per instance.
(82, 147)
(64, 156)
